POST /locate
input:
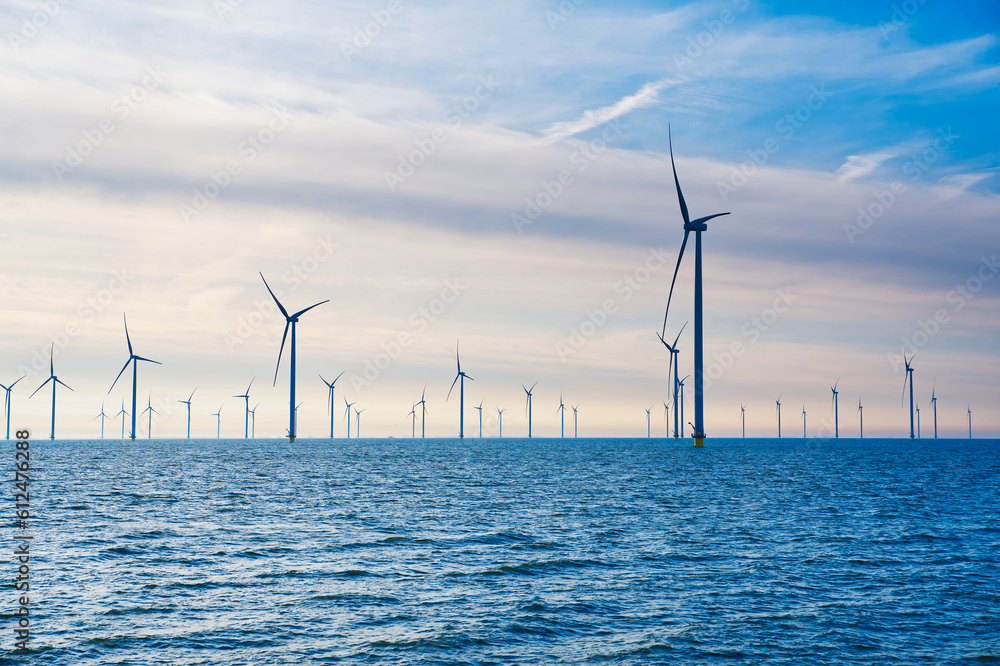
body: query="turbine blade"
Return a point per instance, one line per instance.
(127, 339)
(468, 377)
(325, 382)
(119, 375)
(452, 387)
(280, 306)
(276, 367)
(148, 360)
(59, 381)
(40, 387)
(310, 308)
(680, 256)
(680, 195)
(337, 377)
(679, 333)
(19, 379)
(703, 220)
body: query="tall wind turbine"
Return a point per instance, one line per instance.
(461, 394)
(101, 416)
(347, 415)
(500, 418)
(649, 432)
(122, 414)
(861, 414)
(55, 380)
(803, 421)
(908, 378)
(918, 420)
(423, 414)
(188, 403)
(562, 422)
(743, 420)
(253, 421)
(970, 421)
(290, 321)
(933, 404)
(357, 430)
(680, 386)
(674, 363)
(413, 425)
(666, 417)
(149, 408)
(246, 415)
(574, 420)
(697, 227)
(134, 360)
(836, 409)
(527, 404)
(6, 406)
(778, 403)
(329, 407)
(480, 408)
(218, 422)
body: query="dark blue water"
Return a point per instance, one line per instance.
(513, 551)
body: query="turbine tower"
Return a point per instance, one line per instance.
(778, 403)
(347, 415)
(357, 429)
(674, 363)
(649, 432)
(933, 404)
(6, 406)
(918, 420)
(461, 394)
(149, 408)
(698, 226)
(743, 420)
(188, 403)
(101, 416)
(803, 421)
(413, 425)
(246, 416)
(122, 414)
(908, 378)
(290, 321)
(218, 422)
(574, 420)
(527, 404)
(253, 421)
(836, 409)
(680, 385)
(55, 380)
(562, 421)
(666, 418)
(134, 360)
(480, 408)
(500, 418)
(329, 405)
(970, 421)
(423, 414)
(861, 414)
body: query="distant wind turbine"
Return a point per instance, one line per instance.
(778, 403)
(861, 414)
(461, 394)
(527, 404)
(218, 422)
(329, 407)
(480, 408)
(697, 226)
(743, 420)
(803, 421)
(122, 414)
(649, 432)
(908, 378)
(101, 416)
(253, 421)
(347, 415)
(246, 416)
(149, 408)
(666, 417)
(188, 403)
(134, 360)
(55, 380)
(423, 413)
(918, 420)
(674, 364)
(970, 421)
(680, 385)
(933, 404)
(500, 418)
(574, 420)
(296, 413)
(562, 422)
(357, 430)
(836, 409)
(6, 406)
(290, 321)
(413, 425)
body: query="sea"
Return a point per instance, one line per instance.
(508, 551)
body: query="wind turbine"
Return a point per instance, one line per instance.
(861, 413)
(574, 420)
(461, 394)
(357, 430)
(246, 416)
(778, 403)
(743, 420)
(290, 321)
(836, 409)
(500, 418)
(933, 404)
(648, 431)
(253, 421)
(697, 226)
(134, 360)
(918, 420)
(122, 414)
(55, 380)
(347, 415)
(908, 378)
(218, 422)
(6, 406)
(101, 416)
(329, 407)
(527, 404)
(562, 421)
(188, 403)
(666, 417)
(296, 413)
(803, 421)
(423, 414)
(149, 408)
(413, 425)
(970, 421)
(480, 408)
(680, 384)
(674, 363)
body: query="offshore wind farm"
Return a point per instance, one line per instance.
(382, 204)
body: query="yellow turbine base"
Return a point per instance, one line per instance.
(291, 439)
(699, 441)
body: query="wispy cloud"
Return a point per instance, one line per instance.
(861, 165)
(592, 118)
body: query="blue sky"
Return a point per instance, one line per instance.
(180, 148)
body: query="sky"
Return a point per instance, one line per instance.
(497, 175)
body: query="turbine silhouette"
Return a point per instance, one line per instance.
(861, 414)
(423, 413)
(134, 360)
(527, 404)
(574, 420)
(55, 380)
(743, 420)
(480, 408)
(188, 403)
(218, 422)
(908, 379)
(674, 363)
(329, 407)
(246, 417)
(836, 409)
(122, 414)
(562, 423)
(778, 403)
(500, 419)
(149, 408)
(347, 415)
(6, 405)
(933, 404)
(461, 394)
(101, 416)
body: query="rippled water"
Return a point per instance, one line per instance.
(514, 551)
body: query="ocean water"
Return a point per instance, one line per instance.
(512, 552)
